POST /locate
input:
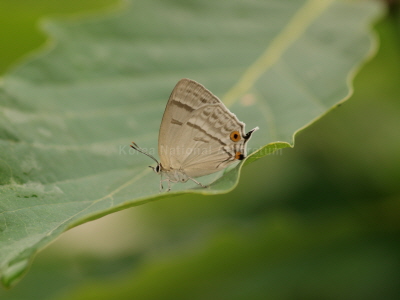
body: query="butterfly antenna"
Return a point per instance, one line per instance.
(137, 148)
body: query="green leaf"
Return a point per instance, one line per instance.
(69, 114)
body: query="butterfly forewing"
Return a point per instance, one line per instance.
(186, 97)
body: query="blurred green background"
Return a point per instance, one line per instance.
(330, 228)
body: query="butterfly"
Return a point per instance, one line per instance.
(198, 135)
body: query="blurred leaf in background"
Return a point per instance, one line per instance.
(19, 23)
(329, 228)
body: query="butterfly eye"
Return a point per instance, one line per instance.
(235, 136)
(239, 156)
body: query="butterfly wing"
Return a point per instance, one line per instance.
(198, 134)
(186, 97)
(218, 139)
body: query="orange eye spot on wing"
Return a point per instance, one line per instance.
(235, 136)
(239, 156)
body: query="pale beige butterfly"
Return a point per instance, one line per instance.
(198, 135)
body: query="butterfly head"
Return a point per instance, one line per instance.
(156, 169)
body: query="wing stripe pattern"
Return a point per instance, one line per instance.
(205, 132)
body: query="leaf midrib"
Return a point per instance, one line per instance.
(296, 26)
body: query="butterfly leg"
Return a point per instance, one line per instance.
(162, 187)
(169, 185)
(202, 185)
